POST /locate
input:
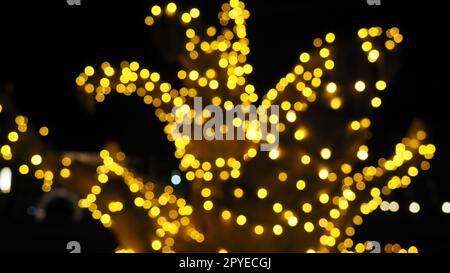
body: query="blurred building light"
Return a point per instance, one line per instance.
(5, 180)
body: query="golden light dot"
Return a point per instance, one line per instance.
(306, 159)
(156, 245)
(325, 153)
(355, 125)
(206, 192)
(36, 160)
(362, 33)
(105, 219)
(24, 169)
(330, 37)
(360, 86)
(376, 102)
(277, 207)
(13, 136)
(259, 229)
(238, 193)
(336, 103)
(362, 155)
(262, 193)
(307, 207)
(65, 173)
(309, 227)
(301, 185)
(277, 230)
(291, 116)
(89, 71)
(334, 213)
(43, 131)
(282, 176)
(208, 205)
(241, 220)
(226, 215)
(300, 134)
(274, 154)
(324, 198)
(331, 87)
(323, 174)
(195, 13)
(156, 10)
(373, 55)
(292, 221)
(171, 8)
(381, 85)
(304, 57)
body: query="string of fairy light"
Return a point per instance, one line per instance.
(331, 195)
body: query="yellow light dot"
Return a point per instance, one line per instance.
(331, 87)
(186, 18)
(304, 57)
(306, 159)
(309, 227)
(292, 221)
(24, 169)
(274, 154)
(13, 136)
(171, 8)
(362, 33)
(36, 160)
(307, 208)
(360, 86)
(238, 193)
(226, 215)
(43, 131)
(105, 219)
(291, 116)
(277, 230)
(220, 162)
(206, 192)
(334, 213)
(300, 134)
(103, 178)
(325, 153)
(241, 220)
(373, 55)
(282, 176)
(65, 173)
(208, 205)
(259, 229)
(89, 71)
(156, 10)
(362, 155)
(156, 245)
(301, 185)
(380, 85)
(324, 198)
(376, 102)
(330, 37)
(277, 207)
(262, 193)
(195, 13)
(323, 174)
(355, 125)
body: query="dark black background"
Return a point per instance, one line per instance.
(45, 44)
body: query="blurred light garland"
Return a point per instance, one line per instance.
(309, 195)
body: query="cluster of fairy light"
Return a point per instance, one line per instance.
(218, 73)
(34, 164)
(171, 214)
